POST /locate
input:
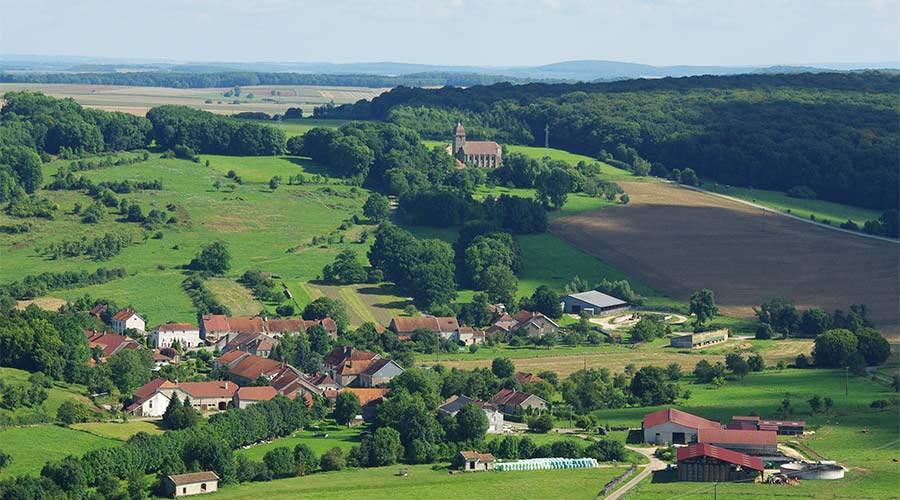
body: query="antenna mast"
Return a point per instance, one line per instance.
(547, 141)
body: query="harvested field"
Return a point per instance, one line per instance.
(678, 241)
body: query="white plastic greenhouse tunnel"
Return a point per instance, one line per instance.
(546, 463)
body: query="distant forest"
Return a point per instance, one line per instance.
(834, 136)
(247, 78)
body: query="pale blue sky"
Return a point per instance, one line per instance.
(458, 32)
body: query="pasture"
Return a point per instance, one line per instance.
(32, 447)
(138, 100)
(425, 483)
(342, 437)
(56, 394)
(118, 430)
(678, 241)
(863, 439)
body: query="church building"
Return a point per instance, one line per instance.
(482, 154)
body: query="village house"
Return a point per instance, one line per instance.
(534, 324)
(379, 373)
(110, 343)
(259, 344)
(246, 368)
(185, 334)
(446, 327)
(472, 461)
(127, 319)
(203, 395)
(369, 399)
(481, 154)
(148, 401)
(246, 396)
(324, 382)
(452, 405)
(673, 426)
(193, 483)
(513, 402)
(221, 330)
(164, 357)
(469, 336)
(593, 303)
(527, 378)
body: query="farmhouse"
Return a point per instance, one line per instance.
(204, 395)
(194, 483)
(697, 340)
(127, 319)
(527, 378)
(259, 344)
(222, 329)
(534, 324)
(369, 399)
(163, 357)
(750, 442)
(446, 327)
(379, 373)
(705, 462)
(185, 334)
(344, 364)
(593, 303)
(469, 336)
(472, 461)
(515, 402)
(110, 343)
(673, 426)
(246, 396)
(452, 405)
(148, 401)
(482, 154)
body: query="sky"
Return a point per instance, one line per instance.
(458, 32)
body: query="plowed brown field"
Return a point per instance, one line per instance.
(678, 240)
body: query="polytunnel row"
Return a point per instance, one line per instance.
(546, 463)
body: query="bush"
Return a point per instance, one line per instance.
(606, 450)
(333, 459)
(541, 424)
(281, 462)
(72, 412)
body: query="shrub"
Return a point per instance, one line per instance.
(541, 423)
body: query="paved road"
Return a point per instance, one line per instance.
(654, 465)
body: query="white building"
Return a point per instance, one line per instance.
(673, 426)
(125, 319)
(165, 335)
(193, 483)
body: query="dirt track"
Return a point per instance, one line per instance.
(678, 241)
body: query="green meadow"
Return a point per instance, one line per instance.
(56, 394)
(344, 438)
(32, 447)
(822, 210)
(423, 482)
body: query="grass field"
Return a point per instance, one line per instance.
(835, 212)
(423, 483)
(120, 431)
(138, 100)
(342, 437)
(32, 447)
(59, 392)
(839, 436)
(265, 230)
(300, 127)
(678, 241)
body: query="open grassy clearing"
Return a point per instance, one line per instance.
(423, 483)
(302, 126)
(56, 395)
(565, 360)
(679, 241)
(138, 100)
(839, 436)
(265, 230)
(835, 212)
(235, 296)
(119, 430)
(365, 303)
(32, 447)
(342, 437)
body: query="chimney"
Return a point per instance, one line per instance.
(226, 384)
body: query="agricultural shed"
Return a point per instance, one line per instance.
(752, 442)
(592, 302)
(194, 483)
(671, 425)
(706, 463)
(697, 340)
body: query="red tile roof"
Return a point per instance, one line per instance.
(123, 315)
(230, 357)
(525, 378)
(403, 325)
(285, 325)
(340, 354)
(194, 477)
(200, 390)
(150, 388)
(215, 323)
(510, 397)
(368, 396)
(679, 417)
(481, 148)
(263, 393)
(735, 436)
(252, 366)
(168, 327)
(96, 310)
(725, 455)
(241, 324)
(743, 425)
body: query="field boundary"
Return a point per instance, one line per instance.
(779, 212)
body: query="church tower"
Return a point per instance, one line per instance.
(459, 138)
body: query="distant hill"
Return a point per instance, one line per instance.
(583, 70)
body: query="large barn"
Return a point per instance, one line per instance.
(593, 303)
(673, 426)
(705, 462)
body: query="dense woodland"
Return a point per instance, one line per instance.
(834, 133)
(188, 80)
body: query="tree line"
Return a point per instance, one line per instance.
(834, 134)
